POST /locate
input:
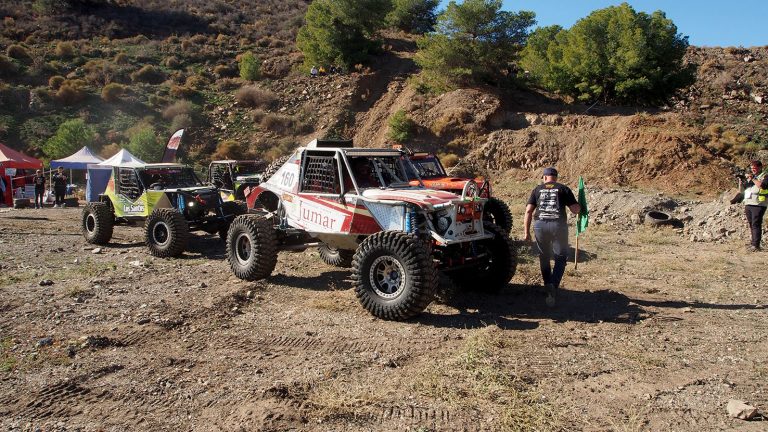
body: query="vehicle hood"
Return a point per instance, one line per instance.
(420, 197)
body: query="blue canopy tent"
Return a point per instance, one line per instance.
(79, 160)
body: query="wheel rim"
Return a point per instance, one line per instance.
(387, 277)
(243, 248)
(90, 223)
(161, 233)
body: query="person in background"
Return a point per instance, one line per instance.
(60, 181)
(549, 201)
(755, 202)
(313, 71)
(39, 182)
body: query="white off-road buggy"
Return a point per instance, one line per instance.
(358, 206)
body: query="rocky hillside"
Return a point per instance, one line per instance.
(178, 67)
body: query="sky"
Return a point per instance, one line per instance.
(705, 22)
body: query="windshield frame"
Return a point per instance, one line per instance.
(146, 181)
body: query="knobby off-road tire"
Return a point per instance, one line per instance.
(235, 208)
(252, 247)
(98, 223)
(273, 168)
(166, 233)
(500, 267)
(394, 276)
(497, 212)
(335, 257)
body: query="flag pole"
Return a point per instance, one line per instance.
(576, 254)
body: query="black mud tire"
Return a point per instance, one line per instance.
(657, 218)
(273, 168)
(235, 208)
(97, 223)
(497, 212)
(335, 257)
(495, 274)
(166, 233)
(252, 247)
(406, 263)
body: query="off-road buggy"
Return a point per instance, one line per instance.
(433, 175)
(169, 198)
(359, 203)
(233, 178)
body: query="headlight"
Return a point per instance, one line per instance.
(443, 223)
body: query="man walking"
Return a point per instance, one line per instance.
(756, 202)
(549, 200)
(39, 182)
(59, 187)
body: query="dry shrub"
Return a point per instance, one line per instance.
(229, 149)
(9, 22)
(449, 160)
(71, 92)
(196, 82)
(181, 121)
(7, 66)
(199, 39)
(18, 52)
(121, 59)
(709, 64)
(172, 62)
(225, 71)
(227, 84)
(56, 81)
(181, 91)
(148, 74)
(110, 150)
(277, 123)
(178, 108)
(450, 121)
(186, 45)
(64, 49)
(112, 92)
(723, 81)
(254, 97)
(99, 71)
(714, 130)
(257, 115)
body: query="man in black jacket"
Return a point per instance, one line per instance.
(59, 187)
(39, 182)
(549, 200)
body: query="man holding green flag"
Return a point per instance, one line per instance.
(582, 220)
(549, 201)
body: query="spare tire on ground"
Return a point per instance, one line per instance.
(657, 218)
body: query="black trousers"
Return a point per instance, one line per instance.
(60, 192)
(39, 196)
(755, 220)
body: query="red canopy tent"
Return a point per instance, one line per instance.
(14, 162)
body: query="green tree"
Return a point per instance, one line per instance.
(341, 31)
(614, 55)
(413, 16)
(401, 127)
(145, 145)
(69, 138)
(250, 68)
(474, 41)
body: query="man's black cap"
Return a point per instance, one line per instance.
(551, 171)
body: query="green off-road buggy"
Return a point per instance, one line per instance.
(234, 178)
(169, 198)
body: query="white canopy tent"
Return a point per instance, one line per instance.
(99, 174)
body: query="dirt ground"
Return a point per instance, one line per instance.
(652, 332)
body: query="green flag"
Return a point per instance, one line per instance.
(582, 220)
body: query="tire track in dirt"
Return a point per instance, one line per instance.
(63, 399)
